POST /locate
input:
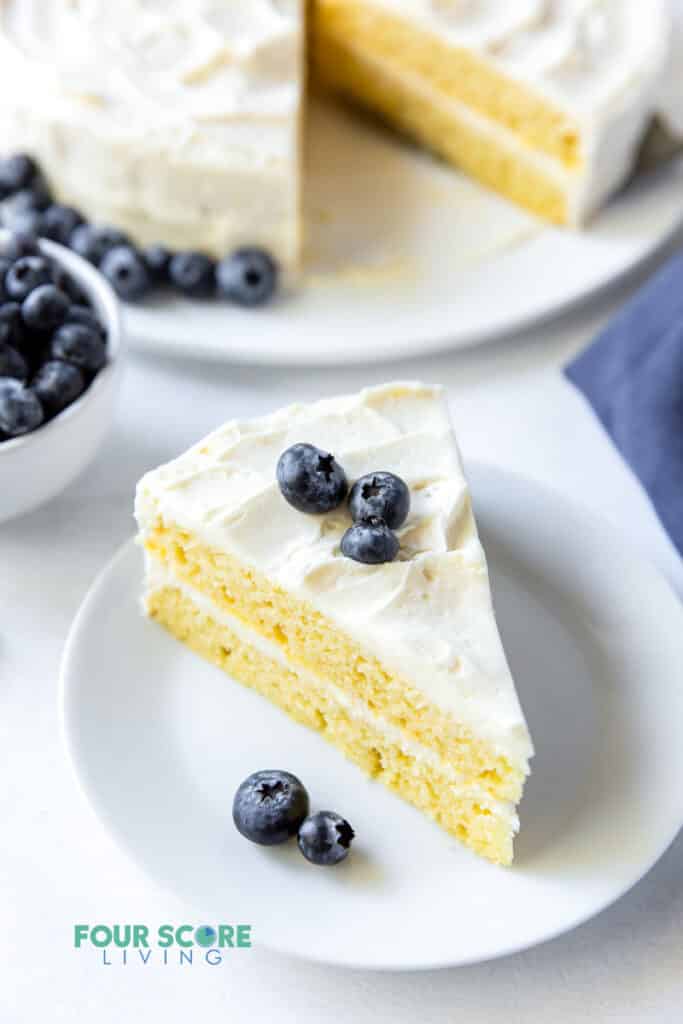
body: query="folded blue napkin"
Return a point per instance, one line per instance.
(632, 375)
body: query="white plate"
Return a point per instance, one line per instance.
(405, 256)
(160, 740)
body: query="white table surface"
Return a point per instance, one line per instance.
(57, 866)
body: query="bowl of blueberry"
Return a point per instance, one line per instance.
(60, 347)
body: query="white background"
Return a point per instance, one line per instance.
(57, 867)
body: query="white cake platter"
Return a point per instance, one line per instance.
(160, 740)
(405, 256)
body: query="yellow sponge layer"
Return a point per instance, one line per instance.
(462, 814)
(309, 640)
(441, 128)
(455, 72)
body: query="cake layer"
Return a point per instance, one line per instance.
(313, 644)
(425, 620)
(480, 147)
(178, 122)
(411, 770)
(395, 37)
(496, 86)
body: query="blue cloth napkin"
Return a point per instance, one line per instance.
(632, 376)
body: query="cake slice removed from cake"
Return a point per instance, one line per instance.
(398, 664)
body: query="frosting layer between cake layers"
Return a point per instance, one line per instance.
(428, 616)
(176, 121)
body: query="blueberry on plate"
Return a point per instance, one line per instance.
(45, 308)
(269, 807)
(311, 480)
(126, 272)
(325, 838)
(27, 273)
(12, 363)
(380, 496)
(16, 172)
(60, 222)
(370, 542)
(157, 259)
(80, 345)
(93, 242)
(20, 409)
(248, 277)
(192, 273)
(57, 385)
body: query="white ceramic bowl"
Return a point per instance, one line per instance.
(37, 466)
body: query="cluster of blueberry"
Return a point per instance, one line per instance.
(272, 806)
(52, 344)
(312, 481)
(248, 276)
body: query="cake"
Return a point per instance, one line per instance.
(177, 122)
(180, 122)
(400, 665)
(545, 101)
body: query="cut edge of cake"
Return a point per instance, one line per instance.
(555, 158)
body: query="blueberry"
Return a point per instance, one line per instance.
(92, 242)
(192, 273)
(158, 261)
(12, 363)
(84, 315)
(370, 542)
(60, 222)
(248, 277)
(380, 496)
(64, 281)
(57, 385)
(80, 345)
(269, 807)
(20, 409)
(16, 172)
(310, 479)
(5, 265)
(19, 244)
(45, 308)
(37, 197)
(325, 838)
(126, 272)
(27, 273)
(11, 325)
(28, 223)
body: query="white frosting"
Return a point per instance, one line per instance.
(428, 616)
(178, 120)
(157, 577)
(598, 62)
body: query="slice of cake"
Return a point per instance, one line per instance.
(546, 102)
(178, 122)
(399, 664)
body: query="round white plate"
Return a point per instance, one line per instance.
(160, 741)
(405, 256)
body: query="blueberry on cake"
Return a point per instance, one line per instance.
(327, 556)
